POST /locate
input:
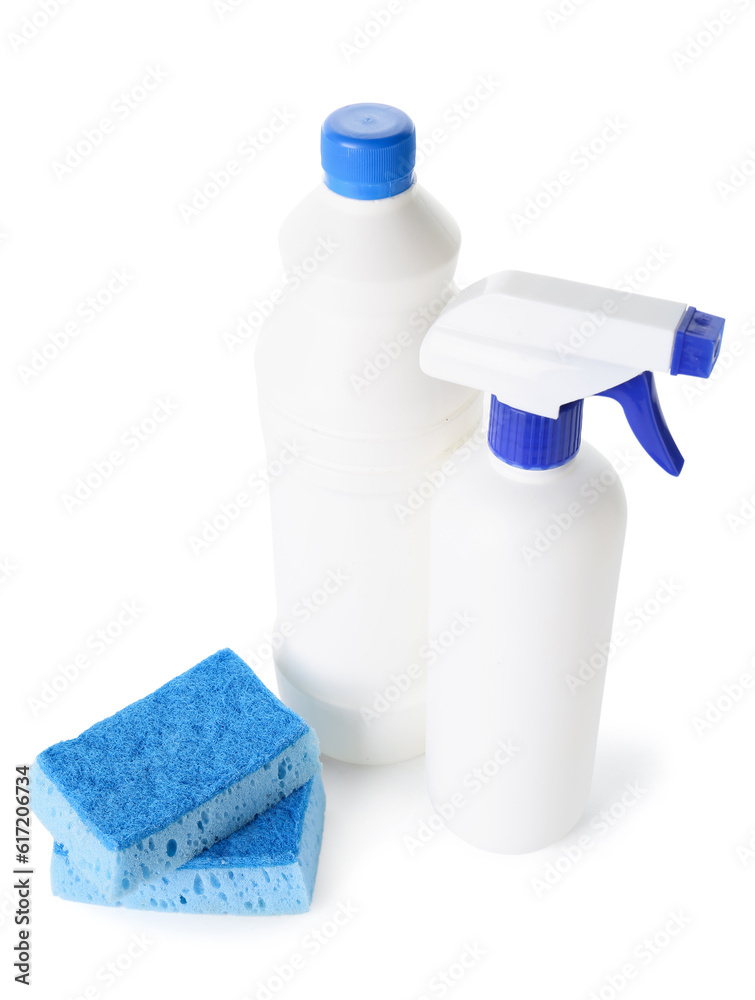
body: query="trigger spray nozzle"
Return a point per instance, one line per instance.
(514, 335)
(697, 344)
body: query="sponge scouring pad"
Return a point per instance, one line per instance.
(266, 867)
(145, 790)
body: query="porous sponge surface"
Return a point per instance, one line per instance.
(266, 867)
(143, 791)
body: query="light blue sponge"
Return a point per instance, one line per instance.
(267, 867)
(140, 793)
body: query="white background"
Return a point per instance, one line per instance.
(654, 192)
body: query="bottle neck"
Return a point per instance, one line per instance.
(368, 206)
(536, 477)
(531, 442)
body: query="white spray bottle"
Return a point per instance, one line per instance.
(528, 542)
(356, 427)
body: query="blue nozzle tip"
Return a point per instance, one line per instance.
(368, 151)
(697, 344)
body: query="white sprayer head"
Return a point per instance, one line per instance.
(538, 343)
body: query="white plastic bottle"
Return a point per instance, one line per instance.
(370, 260)
(528, 542)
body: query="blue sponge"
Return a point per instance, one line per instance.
(142, 792)
(266, 867)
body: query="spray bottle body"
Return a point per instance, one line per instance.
(529, 543)
(510, 735)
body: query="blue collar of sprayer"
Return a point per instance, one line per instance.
(529, 441)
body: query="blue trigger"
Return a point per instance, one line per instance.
(639, 400)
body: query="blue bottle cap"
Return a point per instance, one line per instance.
(368, 151)
(529, 441)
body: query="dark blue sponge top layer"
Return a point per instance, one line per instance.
(273, 838)
(146, 766)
